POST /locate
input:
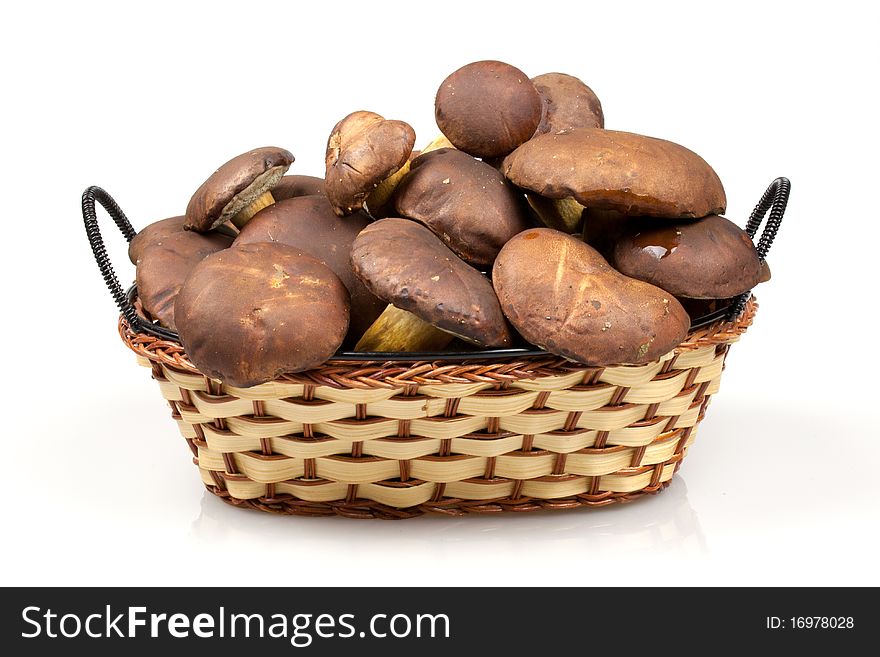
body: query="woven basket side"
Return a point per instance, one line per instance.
(436, 437)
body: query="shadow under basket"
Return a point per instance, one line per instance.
(399, 435)
(398, 439)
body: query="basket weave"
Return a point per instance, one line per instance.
(399, 439)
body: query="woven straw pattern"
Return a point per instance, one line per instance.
(399, 439)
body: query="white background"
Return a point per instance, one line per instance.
(147, 99)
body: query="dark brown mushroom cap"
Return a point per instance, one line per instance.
(293, 186)
(250, 314)
(155, 232)
(465, 202)
(363, 150)
(408, 266)
(567, 103)
(309, 224)
(561, 295)
(164, 263)
(709, 258)
(487, 108)
(235, 185)
(611, 170)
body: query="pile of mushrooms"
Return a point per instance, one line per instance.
(525, 222)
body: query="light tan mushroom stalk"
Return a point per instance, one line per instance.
(227, 229)
(264, 200)
(253, 198)
(559, 213)
(440, 141)
(380, 196)
(400, 331)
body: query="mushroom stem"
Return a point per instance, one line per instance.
(560, 213)
(227, 229)
(440, 141)
(264, 200)
(399, 330)
(380, 196)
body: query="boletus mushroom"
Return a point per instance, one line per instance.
(164, 262)
(487, 108)
(709, 258)
(159, 230)
(250, 314)
(611, 170)
(433, 295)
(309, 224)
(154, 232)
(293, 186)
(561, 295)
(466, 203)
(366, 158)
(567, 103)
(238, 190)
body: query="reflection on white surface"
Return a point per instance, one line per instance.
(664, 523)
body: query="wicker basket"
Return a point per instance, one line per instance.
(398, 437)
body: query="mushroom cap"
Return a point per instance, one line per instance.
(309, 224)
(709, 258)
(249, 314)
(611, 170)
(408, 266)
(236, 185)
(487, 108)
(561, 295)
(466, 203)
(363, 150)
(164, 263)
(567, 103)
(155, 232)
(293, 186)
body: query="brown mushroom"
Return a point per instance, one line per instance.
(561, 295)
(159, 230)
(709, 258)
(154, 232)
(366, 158)
(610, 170)
(293, 186)
(567, 103)
(465, 202)
(238, 190)
(487, 108)
(309, 224)
(164, 262)
(250, 314)
(433, 295)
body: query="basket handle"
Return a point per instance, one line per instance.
(775, 199)
(93, 232)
